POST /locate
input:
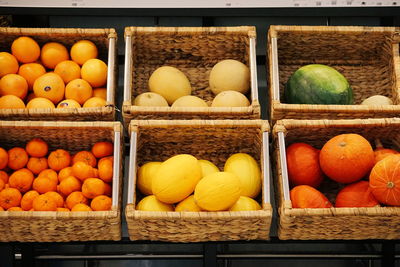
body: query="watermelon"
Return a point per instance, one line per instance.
(318, 84)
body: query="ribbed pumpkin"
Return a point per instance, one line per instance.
(358, 194)
(303, 165)
(346, 158)
(384, 180)
(176, 178)
(380, 152)
(217, 191)
(246, 168)
(305, 196)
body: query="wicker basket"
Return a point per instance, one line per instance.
(54, 226)
(194, 50)
(332, 223)
(5, 20)
(105, 40)
(367, 56)
(213, 140)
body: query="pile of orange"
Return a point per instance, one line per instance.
(51, 76)
(32, 179)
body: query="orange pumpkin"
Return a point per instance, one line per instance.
(346, 158)
(384, 180)
(380, 152)
(304, 196)
(356, 195)
(303, 165)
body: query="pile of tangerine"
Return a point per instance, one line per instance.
(51, 75)
(30, 181)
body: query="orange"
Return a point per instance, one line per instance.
(2, 184)
(95, 173)
(11, 101)
(59, 159)
(100, 92)
(8, 63)
(21, 180)
(78, 90)
(82, 170)
(17, 158)
(68, 103)
(31, 72)
(101, 203)
(93, 187)
(1, 208)
(64, 173)
(36, 165)
(10, 197)
(68, 70)
(86, 157)
(44, 185)
(107, 190)
(102, 149)
(76, 198)
(52, 54)
(69, 185)
(13, 84)
(106, 170)
(94, 102)
(81, 207)
(50, 86)
(63, 209)
(4, 177)
(25, 49)
(83, 50)
(44, 203)
(94, 71)
(56, 197)
(15, 209)
(27, 199)
(3, 158)
(36, 147)
(49, 173)
(40, 102)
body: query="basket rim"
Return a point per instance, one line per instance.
(334, 211)
(274, 29)
(244, 30)
(134, 124)
(116, 125)
(109, 32)
(50, 215)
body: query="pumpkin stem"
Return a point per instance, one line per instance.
(378, 143)
(390, 185)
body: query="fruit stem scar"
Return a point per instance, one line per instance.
(342, 144)
(390, 185)
(47, 88)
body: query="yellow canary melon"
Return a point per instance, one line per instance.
(229, 75)
(145, 176)
(150, 99)
(176, 178)
(188, 204)
(40, 102)
(217, 191)
(230, 99)
(169, 82)
(246, 168)
(189, 101)
(151, 203)
(244, 204)
(207, 167)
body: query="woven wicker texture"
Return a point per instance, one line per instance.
(365, 56)
(335, 223)
(194, 51)
(5, 21)
(211, 140)
(67, 37)
(51, 226)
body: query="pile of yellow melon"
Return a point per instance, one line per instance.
(44, 77)
(183, 183)
(229, 80)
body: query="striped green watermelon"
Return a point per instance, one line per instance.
(318, 84)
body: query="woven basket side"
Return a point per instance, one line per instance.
(193, 55)
(356, 56)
